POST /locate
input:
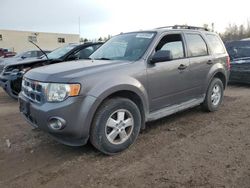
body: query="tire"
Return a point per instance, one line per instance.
(113, 119)
(14, 89)
(214, 95)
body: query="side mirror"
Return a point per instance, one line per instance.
(23, 57)
(161, 56)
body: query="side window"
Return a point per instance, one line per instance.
(84, 53)
(172, 43)
(33, 54)
(196, 45)
(216, 44)
(27, 54)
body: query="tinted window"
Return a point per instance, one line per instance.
(85, 53)
(59, 52)
(216, 44)
(196, 45)
(172, 43)
(29, 54)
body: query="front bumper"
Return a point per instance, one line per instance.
(76, 111)
(5, 83)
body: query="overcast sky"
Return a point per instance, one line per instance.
(103, 17)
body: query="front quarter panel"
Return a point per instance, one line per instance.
(110, 86)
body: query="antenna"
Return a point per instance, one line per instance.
(79, 24)
(39, 49)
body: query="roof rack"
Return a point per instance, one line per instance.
(184, 27)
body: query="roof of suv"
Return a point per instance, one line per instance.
(177, 28)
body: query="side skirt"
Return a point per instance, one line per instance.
(175, 108)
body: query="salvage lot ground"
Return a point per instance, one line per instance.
(189, 149)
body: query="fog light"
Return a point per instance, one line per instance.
(57, 123)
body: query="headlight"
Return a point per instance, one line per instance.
(59, 92)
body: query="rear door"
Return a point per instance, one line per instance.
(200, 62)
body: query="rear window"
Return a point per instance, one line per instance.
(196, 45)
(216, 44)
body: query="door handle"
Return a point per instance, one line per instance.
(182, 67)
(209, 62)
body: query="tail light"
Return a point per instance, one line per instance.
(228, 63)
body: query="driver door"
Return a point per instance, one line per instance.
(167, 81)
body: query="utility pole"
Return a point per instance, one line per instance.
(79, 24)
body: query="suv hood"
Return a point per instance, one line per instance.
(64, 72)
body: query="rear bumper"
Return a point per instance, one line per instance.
(76, 111)
(240, 76)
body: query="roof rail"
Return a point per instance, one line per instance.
(184, 27)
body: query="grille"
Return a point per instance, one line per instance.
(33, 90)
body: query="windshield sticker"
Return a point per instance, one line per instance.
(145, 35)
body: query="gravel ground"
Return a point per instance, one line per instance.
(188, 149)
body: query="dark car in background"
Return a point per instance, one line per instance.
(11, 73)
(239, 52)
(31, 54)
(23, 55)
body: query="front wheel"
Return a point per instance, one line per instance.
(214, 95)
(116, 125)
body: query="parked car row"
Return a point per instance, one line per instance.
(13, 69)
(131, 79)
(21, 56)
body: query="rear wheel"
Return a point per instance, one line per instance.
(116, 125)
(214, 95)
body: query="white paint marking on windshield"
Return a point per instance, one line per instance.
(145, 35)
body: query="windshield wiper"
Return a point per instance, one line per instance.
(103, 58)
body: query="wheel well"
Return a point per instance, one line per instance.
(133, 97)
(222, 77)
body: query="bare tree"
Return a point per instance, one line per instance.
(236, 32)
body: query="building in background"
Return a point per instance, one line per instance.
(18, 41)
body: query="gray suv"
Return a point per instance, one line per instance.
(132, 79)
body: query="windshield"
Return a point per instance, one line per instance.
(130, 46)
(59, 52)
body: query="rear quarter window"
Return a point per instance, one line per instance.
(216, 45)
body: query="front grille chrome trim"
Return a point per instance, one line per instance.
(33, 90)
